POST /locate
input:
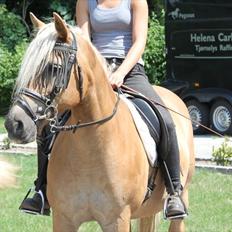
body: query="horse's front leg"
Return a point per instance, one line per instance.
(118, 223)
(179, 225)
(62, 224)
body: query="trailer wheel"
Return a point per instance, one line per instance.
(199, 113)
(221, 117)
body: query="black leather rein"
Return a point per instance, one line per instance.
(55, 128)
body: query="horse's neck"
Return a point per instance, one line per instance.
(99, 99)
(98, 104)
(89, 144)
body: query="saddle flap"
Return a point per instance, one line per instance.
(149, 117)
(143, 131)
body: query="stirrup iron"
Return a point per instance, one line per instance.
(30, 211)
(166, 217)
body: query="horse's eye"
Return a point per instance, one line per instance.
(48, 69)
(57, 68)
(53, 69)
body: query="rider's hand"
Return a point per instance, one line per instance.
(116, 79)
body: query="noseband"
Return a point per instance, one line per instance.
(48, 109)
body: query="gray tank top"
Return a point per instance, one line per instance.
(111, 28)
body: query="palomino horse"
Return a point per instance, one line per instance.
(99, 170)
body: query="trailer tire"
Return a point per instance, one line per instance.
(199, 112)
(221, 117)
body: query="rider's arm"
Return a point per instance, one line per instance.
(139, 35)
(82, 17)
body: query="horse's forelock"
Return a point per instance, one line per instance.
(36, 56)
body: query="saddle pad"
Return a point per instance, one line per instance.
(145, 136)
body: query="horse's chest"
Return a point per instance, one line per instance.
(97, 202)
(101, 196)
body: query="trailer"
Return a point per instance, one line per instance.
(198, 36)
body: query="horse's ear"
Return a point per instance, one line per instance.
(61, 27)
(36, 22)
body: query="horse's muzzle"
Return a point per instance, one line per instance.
(20, 129)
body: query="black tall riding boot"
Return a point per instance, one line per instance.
(174, 207)
(38, 204)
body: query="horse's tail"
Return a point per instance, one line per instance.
(149, 224)
(7, 174)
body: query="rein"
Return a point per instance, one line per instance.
(55, 128)
(174, 111)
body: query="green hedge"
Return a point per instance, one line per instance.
(12, 46)
(154, 55)
(12, 30)
(9, 66)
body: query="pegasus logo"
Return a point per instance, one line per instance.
(176, 14)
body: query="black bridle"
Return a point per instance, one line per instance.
(48, 109)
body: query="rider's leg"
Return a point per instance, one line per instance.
(170, 165)
(38, 204)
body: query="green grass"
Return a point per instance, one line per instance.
(2, 128)
(210, 203)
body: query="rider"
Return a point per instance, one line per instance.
(118, 29)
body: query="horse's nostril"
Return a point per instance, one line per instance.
(18, 126)
(14, 126)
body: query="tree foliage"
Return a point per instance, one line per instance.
(154, 55)
(12, 31)
(156, 6)
(9, 66)
(15, 28)
(12, 45)
(43, 8)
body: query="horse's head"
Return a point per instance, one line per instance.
(50, 78)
